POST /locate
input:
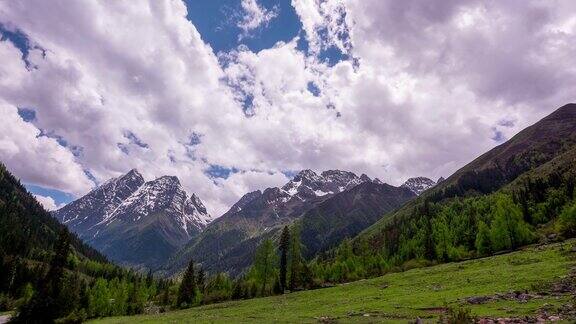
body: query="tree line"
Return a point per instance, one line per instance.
(278, 267)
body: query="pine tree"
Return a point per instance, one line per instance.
(44, 306)
(284, 247)
(295, 259)
(188, 289)
(201, 279)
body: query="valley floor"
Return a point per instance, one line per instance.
(537, 281)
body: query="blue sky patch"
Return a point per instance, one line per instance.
(217, 21)
(313, 88)
(59, 197)
(218, 171)
(27, 114)
(21, 41)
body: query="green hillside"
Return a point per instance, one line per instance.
(545, 275)
(518, 193)
(47, 273)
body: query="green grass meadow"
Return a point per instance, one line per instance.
(399, 297)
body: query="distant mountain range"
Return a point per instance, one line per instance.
(157, 225)
(136, 223)
(331, 205)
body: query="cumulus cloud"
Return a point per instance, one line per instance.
(48, 203)
(120, 85)
(41, 159)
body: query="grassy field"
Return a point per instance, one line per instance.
(400, 297)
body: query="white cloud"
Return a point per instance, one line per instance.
(41, 160)
(255, 16)
(129, 84)
(48, 203)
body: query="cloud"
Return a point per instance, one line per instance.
(255, 16)
(325, 24)
(37, 158)
(48, 203)
(427, 87)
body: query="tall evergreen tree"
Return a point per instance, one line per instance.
(188, 291)
(284, 249)
(45, 306)
(201, 279)
(295, 258)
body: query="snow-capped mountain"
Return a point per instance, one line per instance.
(162, 194)
(420, 184)
(225, 243)
(307, 183)
(307, 187)
(134, 222)
(91, 209)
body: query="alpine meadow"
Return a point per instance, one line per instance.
(302, 161)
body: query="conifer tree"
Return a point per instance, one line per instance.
(201, 279)
(284, 249)
(188, 289)
(44, 305)
(295, 258)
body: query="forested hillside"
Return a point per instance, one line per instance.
(518, 193)
(47, 273)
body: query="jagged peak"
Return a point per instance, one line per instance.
(167, 179)
(133, 172)
(306, 174)
(366, 178)
(419, 184)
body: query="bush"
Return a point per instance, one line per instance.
(6, 303)
(567, 221)
(457, 315)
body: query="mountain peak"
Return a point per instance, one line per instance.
(167, 180)
(419, 184)
(365, 178)
(123, 216)
(306, 174)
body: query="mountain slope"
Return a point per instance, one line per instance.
(347, 214)
(26, 229)
(136, 223)
(546, 145)
(227, 244)
(530, 148)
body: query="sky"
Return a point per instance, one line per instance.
(235, 96)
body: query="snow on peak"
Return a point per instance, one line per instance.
(164, 194)
(419, 184)
(130, 198)
(307, 183)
